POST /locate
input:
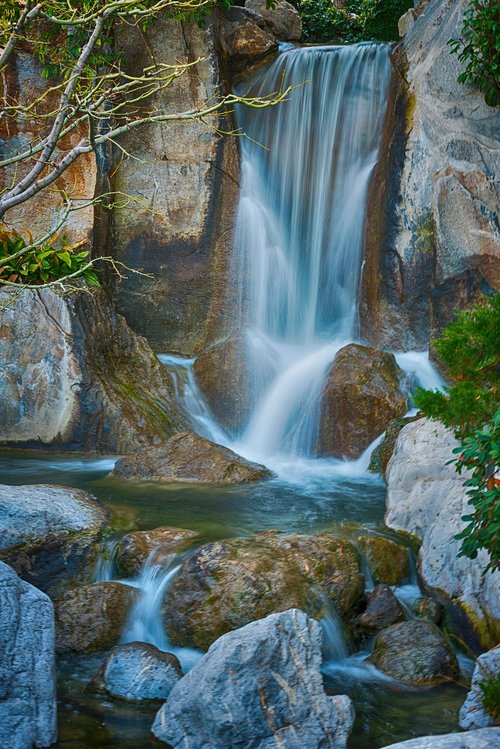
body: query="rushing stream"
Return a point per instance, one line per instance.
(298, 256)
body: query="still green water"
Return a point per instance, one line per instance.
(385, 713)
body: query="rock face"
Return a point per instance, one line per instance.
(283, 18)
(414, 652)
(382, 610)
(472, 713)
(275, 692)
(136, 548)
(187, 457)
(137, 671)
(92, 618)
(48, 533)
(434, 191)
(361, 396)
(488, 738)
(228, 584)
(388, 561)
(426, 498)
(27, 665)
(74, 377)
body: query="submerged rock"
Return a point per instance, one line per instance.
(49, 533)
(360, 397)
(92, 618)
(274, 696)
(388, 560)
(427, 499)
(136, 548)
(414, 652)
(187, 457)
(473, 714)
(27, 665)
(382, 609)
(488, 738)
(138, 671)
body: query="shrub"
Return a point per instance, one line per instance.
(491, 696)
(357, 20)
(479, 48)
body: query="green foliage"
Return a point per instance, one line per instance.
(357, 20)
(479, 48)
(490, 688)
(43, 263)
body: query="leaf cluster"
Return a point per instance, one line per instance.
(479, 48)
(490, 688)
(41, 263)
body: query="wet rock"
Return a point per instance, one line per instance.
(488, 738)
(187, 457)
(226, 585)
(361, 396)
(49, 534)
(473, 713)
(75, 377)
(283, 18)
(382, 610)
(222, 376)
(92, 618)
(275, 692)
(383, 453)
(427, 499)
(27, 665)
(414, 652)
(158, 545)
(388, 560)
(428, 608)
(138, 671)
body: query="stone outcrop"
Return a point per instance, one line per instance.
(186, 457)
(488, 738)
(92, 618)
(27, 665)
(426, 498)
(414, 652)
(49, 533)
(382, 609)
(73, 376)
(283, 18)
(245, 37)
(472, 713)
(275, 692)
(136, 672)
(433, 231)
(388, 561)
(360, 397)
(228, 584)
(156, 546)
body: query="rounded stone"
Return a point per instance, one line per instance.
(157, 545)
(388, 560)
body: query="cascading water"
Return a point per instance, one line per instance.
(299, 231)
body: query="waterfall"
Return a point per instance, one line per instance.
(298, 247)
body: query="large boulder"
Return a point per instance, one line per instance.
(27, 665)
(433, 236)
(245, 37)
(361, 396)
(283, 18)
(414, 652)
(487, 738)
(389, 562)
(156, 546)
(473, 713)
(186, 457)
(427, 499)
(227, 584)
(92, 618)
(274, 696)
(73, 376)
(49, 534)
(136, 672)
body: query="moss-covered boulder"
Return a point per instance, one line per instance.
(157, 545)
(360, 397)
(414, 652)
(388, 561)
(92, 618)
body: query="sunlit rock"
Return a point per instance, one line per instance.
(283, 18)
(156, 546)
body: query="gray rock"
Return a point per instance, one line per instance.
(488, 738)
(472, 713)
(428, 608)
(414, 652)
(383, 609)
(48, 533)
(259, 686)
(186, 457)
(27, 665)
(283, 18)
(137, 671)
(427, 498)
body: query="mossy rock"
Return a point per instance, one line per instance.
(388, 560)
(383, 453)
